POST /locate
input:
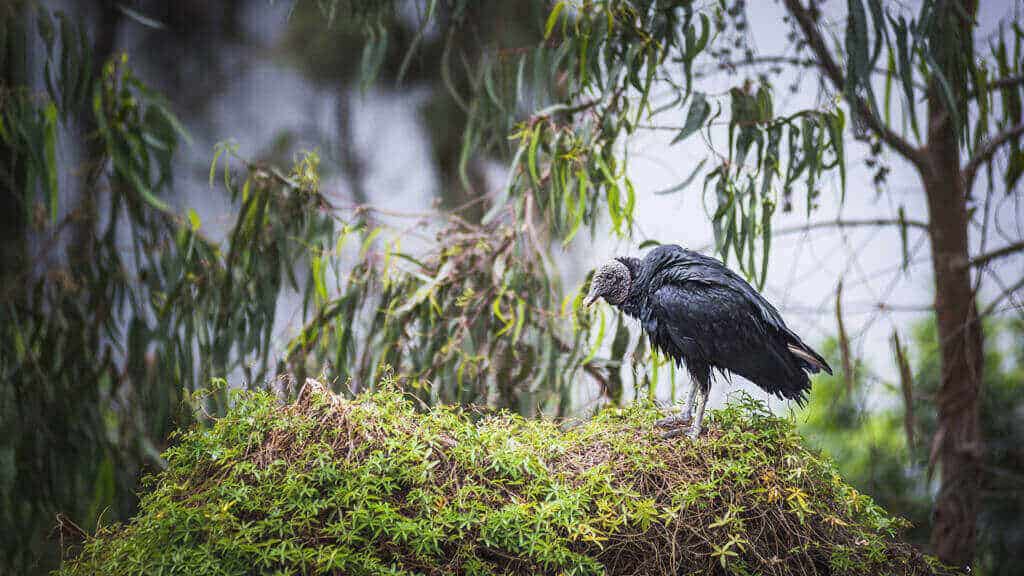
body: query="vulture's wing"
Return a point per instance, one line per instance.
(712, 324)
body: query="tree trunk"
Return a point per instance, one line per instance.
(957, 443)
(957, 446)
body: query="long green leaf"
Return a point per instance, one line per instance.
(50, 148)
(695, 118)
(553, 19)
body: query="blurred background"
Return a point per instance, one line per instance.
(201, 197)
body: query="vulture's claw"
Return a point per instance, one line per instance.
(672, 433)
(673, 421)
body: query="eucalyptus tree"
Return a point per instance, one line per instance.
(971, 122)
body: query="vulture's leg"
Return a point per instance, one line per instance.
(698, 418)
(684, 415)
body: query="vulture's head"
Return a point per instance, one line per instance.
(612, 282)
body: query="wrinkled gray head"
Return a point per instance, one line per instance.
(611, 282)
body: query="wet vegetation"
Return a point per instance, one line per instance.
(372, 486)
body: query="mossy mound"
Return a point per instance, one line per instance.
(371, 486)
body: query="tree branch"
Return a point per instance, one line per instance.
(872, 222)
(983, 259)
(835, 75)
(1000, 83)
(837, 223)
(993, 306)
(779, 61)
(985, 154)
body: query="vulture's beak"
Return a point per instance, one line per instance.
(590, 299)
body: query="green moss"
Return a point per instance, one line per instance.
(371, 486)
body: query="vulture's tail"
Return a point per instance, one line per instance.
(807, 358)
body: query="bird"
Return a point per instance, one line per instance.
(707, 318)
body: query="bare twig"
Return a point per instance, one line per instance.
(994, 304)
(983, 259)
(838, 223)
(983, 155)
(776, 61)
(1000, 83)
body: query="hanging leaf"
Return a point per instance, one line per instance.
(906, 70)
(859, 67)
(695, 118)
(686, 182)
(553, 19)
(835, 123)
(140, 17)
(50, 152)
(904, 244)
(844, 341)
(906, 386)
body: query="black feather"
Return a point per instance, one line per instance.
(706, 317)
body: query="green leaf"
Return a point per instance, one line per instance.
(767, 210)
(890, 71)
(520, 319)
(140, 17)
(368, 241)
(906, 70)
(579, 205)
(881, 32)
(765, 108)
(50, 151)
(553, 19)
(414, 45)
(597, 341)
(531, 156)
(858, 75)
(217, 151)
(645, 92)
(627, 211)
(318, 278)
(836, 122)
(695, 118)
(904, 244)
(1014, 169)
(146, 193)
(686, 182)
(427, 288)
(193, 219)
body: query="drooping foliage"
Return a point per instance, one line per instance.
(370, 486)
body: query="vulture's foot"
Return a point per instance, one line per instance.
(674, 421)
(673, 433)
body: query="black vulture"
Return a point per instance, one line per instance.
(702, 314)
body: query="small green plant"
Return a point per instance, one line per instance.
(371, 486)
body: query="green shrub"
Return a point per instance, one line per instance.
(371, 486)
